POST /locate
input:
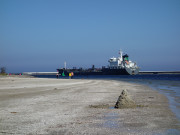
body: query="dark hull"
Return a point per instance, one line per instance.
(104, 71)
(107, 71)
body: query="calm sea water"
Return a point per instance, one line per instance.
(167, 84)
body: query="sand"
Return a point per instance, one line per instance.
(125, 101)
(70, 106)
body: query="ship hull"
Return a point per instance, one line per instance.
(108, 71)
(104, 71)
(123, 71)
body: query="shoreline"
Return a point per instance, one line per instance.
(80, 106)
(169, 88)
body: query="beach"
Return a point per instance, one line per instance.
(81, 106)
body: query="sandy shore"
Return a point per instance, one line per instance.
(64, 106)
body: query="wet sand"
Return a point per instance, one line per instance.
(69, 106)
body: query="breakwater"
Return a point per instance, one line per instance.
(40, 73)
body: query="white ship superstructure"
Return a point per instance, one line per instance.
(123, 62)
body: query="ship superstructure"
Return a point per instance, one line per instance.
(123, 62)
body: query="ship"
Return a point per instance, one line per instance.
(120, 65)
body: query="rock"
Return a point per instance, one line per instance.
(124, 101)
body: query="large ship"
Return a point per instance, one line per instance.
(117, 66)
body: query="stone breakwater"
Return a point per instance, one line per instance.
(63, 106)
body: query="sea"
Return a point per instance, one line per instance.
(167, 84)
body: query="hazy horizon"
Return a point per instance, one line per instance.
(41, 35)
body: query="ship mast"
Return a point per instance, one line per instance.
(120, 55)
(65, 65)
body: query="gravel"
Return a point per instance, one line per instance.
(70, 106)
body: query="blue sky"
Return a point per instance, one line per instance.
(39, 35)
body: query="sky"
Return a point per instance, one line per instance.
(40, 35)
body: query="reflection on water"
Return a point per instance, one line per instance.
(110, 120)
